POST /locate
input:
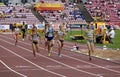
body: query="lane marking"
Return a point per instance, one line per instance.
(31, 62)
(12, 69)
(54, 60)
(76, 59)
(80, 60)
(23, 70)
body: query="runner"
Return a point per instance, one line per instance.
(23, 30)
(90, 40)
(16, 33)
(45, 34)
(12, 29)
(60, 39)
(50, 38)
(34, 37)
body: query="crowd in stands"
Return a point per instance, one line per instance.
(71, 13)
(105, 10)
(15, 14)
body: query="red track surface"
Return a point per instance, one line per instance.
(18, 61)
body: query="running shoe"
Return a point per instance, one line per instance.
(23, 39)
(59, 55)
(90, 58)
(51, 48)
(49, 54)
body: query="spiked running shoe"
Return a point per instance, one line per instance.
(59, 55)
(49, 54)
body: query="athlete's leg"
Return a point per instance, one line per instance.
(62, 43)
(16, 39)
(51, 44)
(37, 47)
(59, 47)
(33, 47)
(89, 50)
(46, 43)
(49, 48)
(92, 46)
(23, 35)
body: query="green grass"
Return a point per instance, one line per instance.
(116, 40)
(75, 32)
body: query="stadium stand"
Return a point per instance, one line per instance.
(105, 10)
(72, 13)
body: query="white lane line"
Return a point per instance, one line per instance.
(32, 62)
(12, 69)
(25, 70)
(90, 63)
(74, 58)
(56, 61)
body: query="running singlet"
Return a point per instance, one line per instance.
(50, 32)
(35, 37)
(23, 28)
(60, 33)
(90, 33)
(17, 30)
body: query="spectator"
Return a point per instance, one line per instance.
(111, 35)
(3, 15)
(118, 12)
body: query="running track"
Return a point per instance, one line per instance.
(18, 61)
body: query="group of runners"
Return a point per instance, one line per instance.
(16, 30)
(51, 36)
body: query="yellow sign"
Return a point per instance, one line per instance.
(48, 6)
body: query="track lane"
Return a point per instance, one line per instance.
(69, 69)
(19, 61)
(78, 66)
(5, 71)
